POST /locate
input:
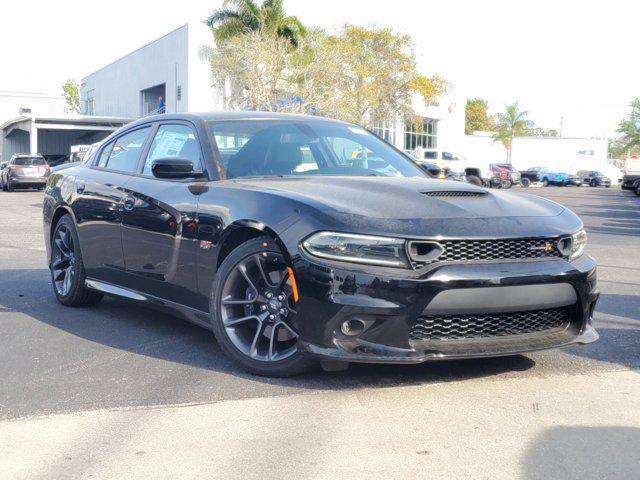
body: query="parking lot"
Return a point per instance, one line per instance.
(119, 357)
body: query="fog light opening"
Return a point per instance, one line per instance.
(352, 327)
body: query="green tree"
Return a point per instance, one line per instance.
(238, 17)
(476, 116)
(511, 123)
(71, 94)
(361, 75)
(629, 128)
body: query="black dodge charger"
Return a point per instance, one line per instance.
(295, 238)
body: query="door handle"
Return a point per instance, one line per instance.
(80, 188)
(129, 202)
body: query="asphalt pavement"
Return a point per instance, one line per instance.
(119, 357)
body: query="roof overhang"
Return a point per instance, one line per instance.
(65, 122)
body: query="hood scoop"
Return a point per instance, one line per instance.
(455, 193)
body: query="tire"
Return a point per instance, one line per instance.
(473, 180)
(9, 186)
(506, 184)
(637, 190)
(236, 323)
(525, 182)
(593, 183)
(545, 182)
(72, 292)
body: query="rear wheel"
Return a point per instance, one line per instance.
(526, 183)
(593, 183)
(254, 312)
(67, 269)
(545, 182)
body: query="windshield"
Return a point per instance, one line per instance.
(28, 161)
(250, 148)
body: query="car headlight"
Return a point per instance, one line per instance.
(573, 246)
(366, 249)
(578, 242)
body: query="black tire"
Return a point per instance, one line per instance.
(74, 293)
(296, 362)
(9, 185)
(506, 184)
(473, 180)
(525, 182)
(593, 183)
(545, 182)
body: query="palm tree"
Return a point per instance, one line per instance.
(237, 17)
(511, 123)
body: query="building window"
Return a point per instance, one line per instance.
(423, 135)
(90, 106)
(385, 131)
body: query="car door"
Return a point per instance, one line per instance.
(159, 223)
(98, 201)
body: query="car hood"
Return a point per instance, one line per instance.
(404, 198)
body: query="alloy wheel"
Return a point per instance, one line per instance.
(63, 260)
(257, 308)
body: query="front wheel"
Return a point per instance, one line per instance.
(525, 182)
(593, 183)
(254, 313)
(545, 182)
(9, 185)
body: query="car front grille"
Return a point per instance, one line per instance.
(460, 327)
(510, 249)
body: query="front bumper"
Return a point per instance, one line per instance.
(390, 307)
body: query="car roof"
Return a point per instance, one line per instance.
(222, 116)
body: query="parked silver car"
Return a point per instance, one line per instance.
(24, 171)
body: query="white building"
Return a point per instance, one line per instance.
(172, 67)
(37, 123)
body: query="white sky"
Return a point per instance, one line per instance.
(562, 58)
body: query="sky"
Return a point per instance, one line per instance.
(566, 62)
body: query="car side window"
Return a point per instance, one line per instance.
(126, 150)
(174, 141)
(104, 155)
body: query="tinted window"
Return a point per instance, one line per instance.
(174, 141)
(275, 147)
(431, 155)
(28, 161)
(126, 151)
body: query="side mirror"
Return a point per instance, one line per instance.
(173, 167)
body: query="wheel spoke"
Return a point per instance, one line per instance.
(265, 278)
(253, 351)
(272, 341)
(243, 270)
(58, 274)
(60, 263)
(237, 301)
(61, 246)
(286, 325)
(64, 236)
(235, 321)
(67, 280)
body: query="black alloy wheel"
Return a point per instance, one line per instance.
(63, 260)
(67, 269)
(254, 311)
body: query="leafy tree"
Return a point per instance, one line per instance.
(71, 94)
(238, 17)
(476, 117)
(360, 75)
(629, 128)
(511, 123)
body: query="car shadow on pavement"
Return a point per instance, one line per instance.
(141, 331)
(617, 320)
(583, 453)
